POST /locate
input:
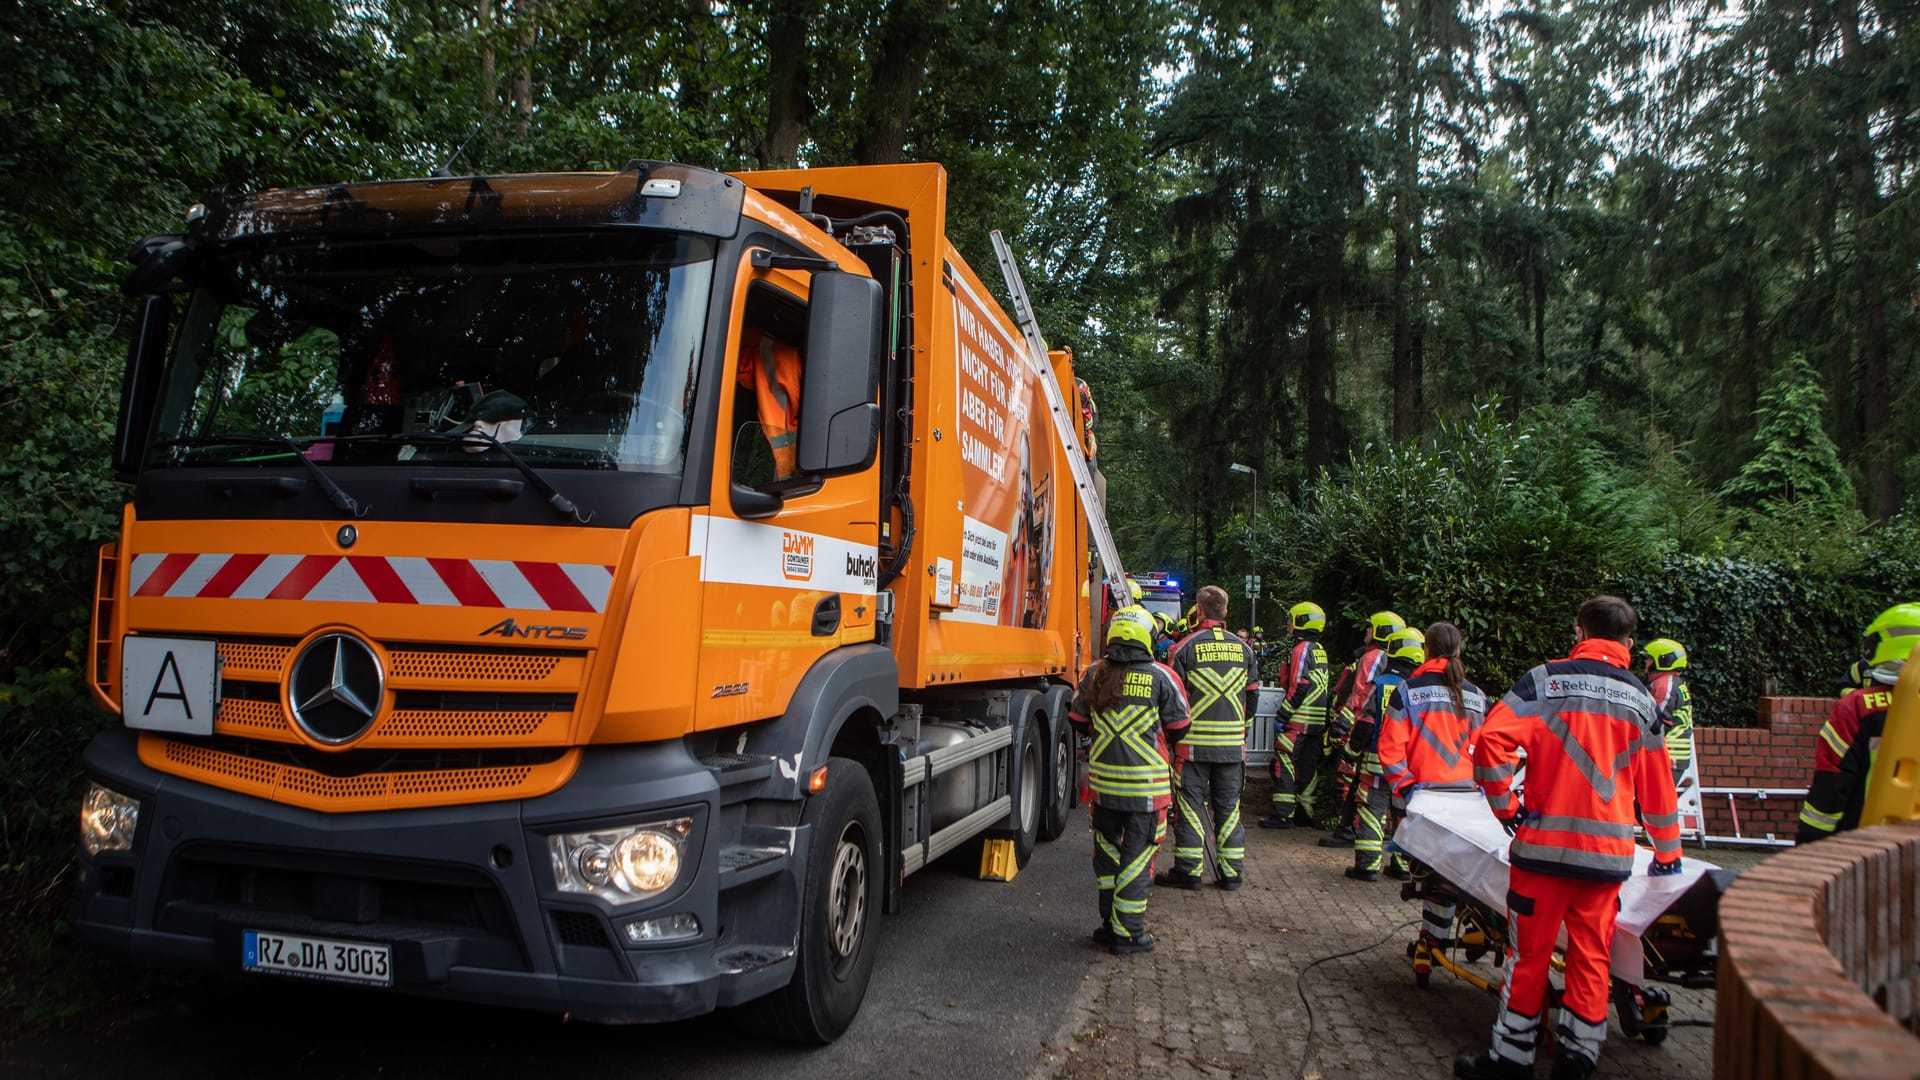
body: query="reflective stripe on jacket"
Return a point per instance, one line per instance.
(1424, 737)
(1306, 683)
(1842, 761)
(1588, 729)
(1217, 669)
(1127, 764)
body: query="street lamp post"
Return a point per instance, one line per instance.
(1253, 528)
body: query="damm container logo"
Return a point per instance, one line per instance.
(796, 551)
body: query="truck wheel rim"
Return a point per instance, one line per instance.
(847, 893)
(1029, 789)
(1062, 771)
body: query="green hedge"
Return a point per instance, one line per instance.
(1503, 526)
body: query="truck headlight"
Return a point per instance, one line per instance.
(107, 820)
(620, 863)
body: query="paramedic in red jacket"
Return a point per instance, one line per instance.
(1590, 732)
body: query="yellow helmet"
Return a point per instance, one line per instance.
(1382, 624)
(1134, 591)
(1407, 644)
(1132, 626)
(1891, 637)
(1307, 615)
(1666, 654)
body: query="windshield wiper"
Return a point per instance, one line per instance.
(335, 493)
(562, 505)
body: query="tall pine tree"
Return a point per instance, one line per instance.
(1797, 465)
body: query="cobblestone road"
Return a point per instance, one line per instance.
(1218, 997)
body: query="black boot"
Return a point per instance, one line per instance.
(1358, 874)
(1128, 946)
(1174, 879)
(1275, 821)
(1568, 1065)
(1484, 1066)
(1342, 837)
(1102, 935)
(1397, 872)
(1231, 883)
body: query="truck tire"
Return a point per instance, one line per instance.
(1030, 796)
(1053, 824)
(839, 904)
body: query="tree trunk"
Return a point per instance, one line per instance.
(1318, 376)
(789, 108)
(1876, 395)
(1403, 377)
(906, 40)
(693, 93)
(489, 76)
(1418, 362)
(523, 75)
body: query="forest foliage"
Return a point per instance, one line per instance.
(1505, 303)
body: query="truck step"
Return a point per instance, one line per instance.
(732, 769)
(742, 864)
(749, 957)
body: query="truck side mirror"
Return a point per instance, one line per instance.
(840, 386)
(140, 385)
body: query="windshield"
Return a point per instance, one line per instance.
(573, 349)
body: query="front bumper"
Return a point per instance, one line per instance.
(464, 895)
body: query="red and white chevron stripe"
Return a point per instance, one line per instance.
(373, 579)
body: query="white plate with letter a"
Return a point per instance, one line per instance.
(169, 684)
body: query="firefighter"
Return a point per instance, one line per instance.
(1359, 687)
(1843, 757)
(1425, 739)
(1220, 672)
(1405, 650)
(1589, 731)
(1133, 708)
(1163, 637)
(1667, 679)
(1296, 731)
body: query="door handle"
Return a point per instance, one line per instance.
(826, 616)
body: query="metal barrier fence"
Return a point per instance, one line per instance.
(1260, 731)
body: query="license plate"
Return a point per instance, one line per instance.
(317, 958)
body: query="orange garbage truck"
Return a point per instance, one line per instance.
(584, 592)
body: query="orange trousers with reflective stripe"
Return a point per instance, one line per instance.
(1537, 905)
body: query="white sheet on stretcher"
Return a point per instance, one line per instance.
(1456, 834)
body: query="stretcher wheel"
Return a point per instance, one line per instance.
(1654, 1035)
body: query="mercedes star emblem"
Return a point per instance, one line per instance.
(335, 688)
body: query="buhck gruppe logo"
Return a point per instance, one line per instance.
(796, 552)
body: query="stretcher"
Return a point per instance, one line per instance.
(1665, 931)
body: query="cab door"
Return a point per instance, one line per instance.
(789, 562)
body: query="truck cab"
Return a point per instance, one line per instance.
(590, 592)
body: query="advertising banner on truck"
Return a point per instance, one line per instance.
(1006, 550)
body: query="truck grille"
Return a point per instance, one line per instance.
(442, 696)
(461, 725)
(399, 780)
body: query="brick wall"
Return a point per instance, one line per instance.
(1818, 948)
(1777, 753)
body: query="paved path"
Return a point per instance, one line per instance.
(1218, 997)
